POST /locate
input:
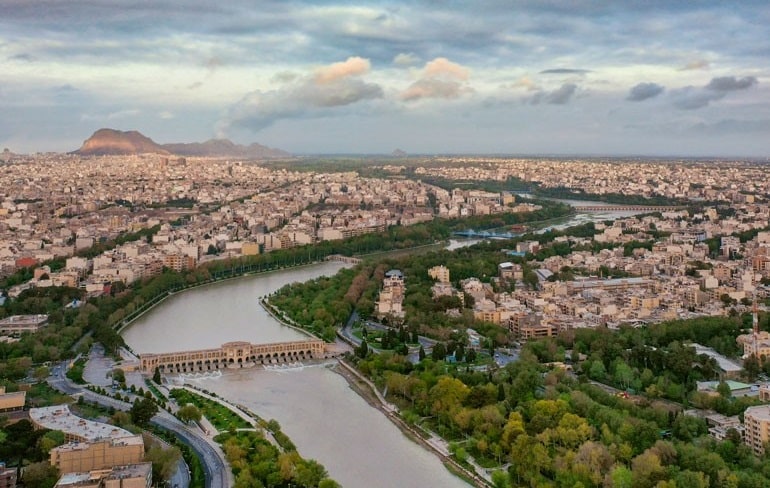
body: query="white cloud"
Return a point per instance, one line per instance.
(440, 78)
(353, 66)
(327, 89)
(406, 59)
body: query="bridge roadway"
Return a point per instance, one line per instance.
(235, 355)
(625, 208)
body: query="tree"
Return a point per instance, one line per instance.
(51, 439)
(41, 373)
(421, 354)
(362, 350)
(142, 411)
(620, 477)
(156, 375)
(439, 352)
(40, 475)
(189, 413)
(309, 473)
(121, 419)
(119, 375)
(724, 390)
(328, 483)
(164, 461)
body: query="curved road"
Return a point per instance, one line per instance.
(212, 459)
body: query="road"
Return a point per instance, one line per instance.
(215, 468)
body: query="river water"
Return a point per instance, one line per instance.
(315, 406)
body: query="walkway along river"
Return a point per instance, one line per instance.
(315, 406)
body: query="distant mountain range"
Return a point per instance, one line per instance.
(115, 142)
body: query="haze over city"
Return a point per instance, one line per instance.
(583, 77)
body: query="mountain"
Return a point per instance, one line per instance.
(225, 148)
(111, 141)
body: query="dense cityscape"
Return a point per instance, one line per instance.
(628, 245)
(516, 244)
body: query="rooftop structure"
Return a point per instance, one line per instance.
(128, 476)
(16, 324)
(728, 368)
(59, 417)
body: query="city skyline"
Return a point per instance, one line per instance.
(642, 78)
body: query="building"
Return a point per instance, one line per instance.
(76, 429)
(392, 294)
(103, 454)
(727, 368)
(720, 425)
(11, 402)
(530, 326)
(129, 476)
(756, 425)
(16, 324)
(90, 445)
(8, 477)
(439, 273)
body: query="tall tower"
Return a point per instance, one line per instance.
(755, 327)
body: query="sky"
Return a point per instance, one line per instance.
(570, 77)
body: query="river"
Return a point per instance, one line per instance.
(315, 406)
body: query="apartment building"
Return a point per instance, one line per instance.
(756, 424)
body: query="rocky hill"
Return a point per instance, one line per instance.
(225, 148)
(111, 141)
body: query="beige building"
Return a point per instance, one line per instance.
(104, 454)
(91, 445)
(16, 324)
(250, 248)
(130, 476)
(757, 428)
(439, 273)
(11, 402)
(392, 294)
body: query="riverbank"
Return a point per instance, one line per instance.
(368, 391)
(127, 322)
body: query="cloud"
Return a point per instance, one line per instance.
(698, 64)
(433, 88)
(565, 71)
(692, 98)
(731, 83)
(406, 59)
(442, 67)
(166, 115)
(440, 78)
(120, 114)
(22, 57)
(353, 66)
(644, 91)
(559, 96)
(328, 88)
(524, 82)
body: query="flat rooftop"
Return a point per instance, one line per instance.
(59, 417)
(24, 320)
(724, 364)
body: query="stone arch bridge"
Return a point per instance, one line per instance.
(235, 355)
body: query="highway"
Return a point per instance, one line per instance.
(214, 465)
